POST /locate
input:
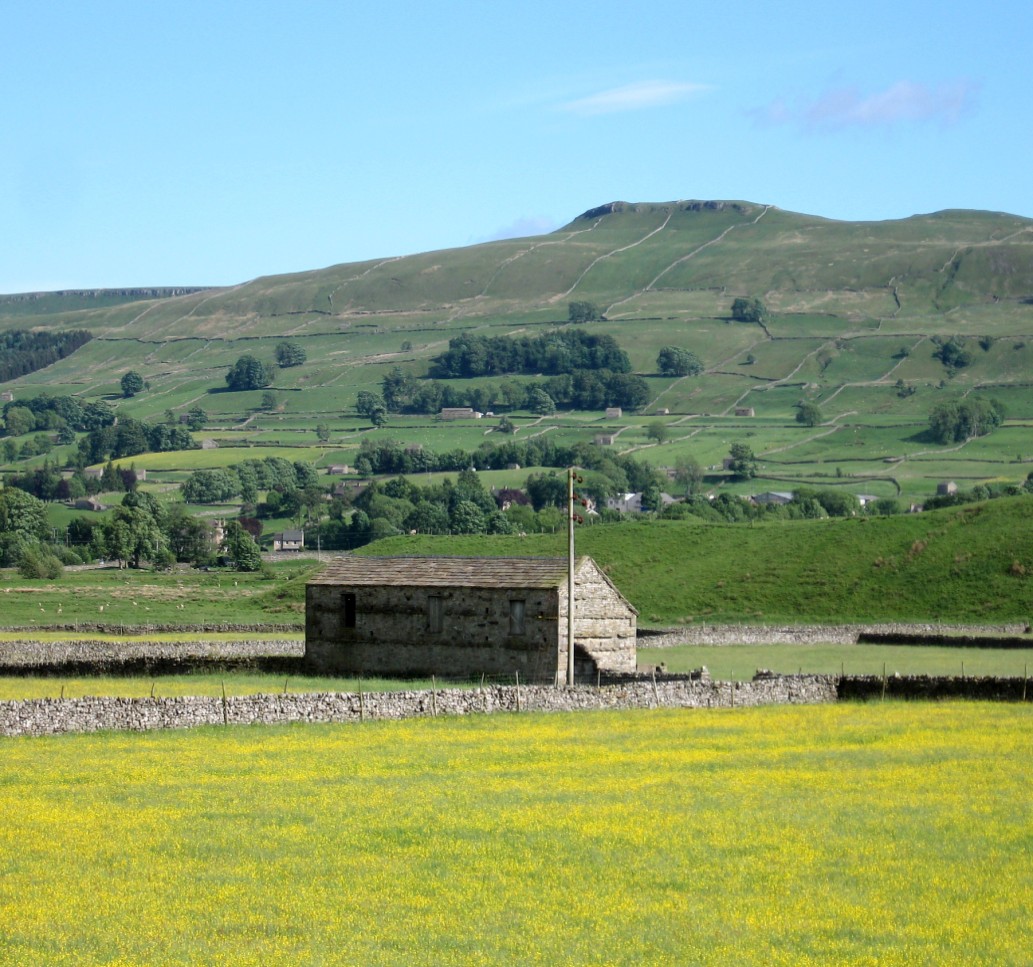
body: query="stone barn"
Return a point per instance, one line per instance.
(462, 617)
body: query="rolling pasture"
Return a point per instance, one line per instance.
(854, 834)
(967, 564)
(855, 309)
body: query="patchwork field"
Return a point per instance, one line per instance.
(858, 313)
(890, 834)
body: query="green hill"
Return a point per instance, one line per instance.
(965, 564)
(856, 309)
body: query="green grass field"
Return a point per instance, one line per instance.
(895, 834)
(127, 597)
(966, 564)
(741, 662)
(842, 315)
(200, 682)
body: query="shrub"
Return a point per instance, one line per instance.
(39, 562)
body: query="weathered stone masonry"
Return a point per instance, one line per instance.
(50, 716)
(463, 617)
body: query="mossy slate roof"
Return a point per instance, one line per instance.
(447, 572)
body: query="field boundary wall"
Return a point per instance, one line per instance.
(51, 716)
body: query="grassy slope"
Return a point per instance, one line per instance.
(963, 564)
(850, 297)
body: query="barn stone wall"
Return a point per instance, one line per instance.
(50, 716)
(604, 625)
(392, 633)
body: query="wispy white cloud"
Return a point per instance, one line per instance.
(523, 227)
(904, 102)
(634, 97)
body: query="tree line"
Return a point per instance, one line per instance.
(402, 392)
(552, 353)
(22, 351)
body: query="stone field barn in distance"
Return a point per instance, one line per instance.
(460, 617)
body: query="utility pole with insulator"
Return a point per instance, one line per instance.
(572, 518)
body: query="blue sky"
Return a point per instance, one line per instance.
(209, 143)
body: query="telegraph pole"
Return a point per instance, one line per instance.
(572, 518)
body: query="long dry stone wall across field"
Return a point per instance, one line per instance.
(818, 634)
(49, 716)
(26, 653)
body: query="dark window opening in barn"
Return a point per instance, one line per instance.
(516, 617)
(434, 614)
(348, 603)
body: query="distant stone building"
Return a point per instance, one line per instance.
(457, 413)
(628, 503)
(744, 411)
(89, 503)
(614, 412)
(773, 497)
(462, 617)
(605, 439)
(946, 489)
(339, 469)
(293, 540)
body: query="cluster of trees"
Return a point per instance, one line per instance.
(559, 351)
(808, 413)
(959, 420)
(402, 392)
(48, 483)
(249, 373)
(391, 457)
(581, 311)
(140, 530)
(129, 437)
(291, 489)
(400, 506)
(289, 354)
(45, 412)
(749, 310)
(673, 361)
(22, 351)
(951, 352)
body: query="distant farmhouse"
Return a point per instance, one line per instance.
(773, 497)
(293, 540)
(462, 617)
(459, 413)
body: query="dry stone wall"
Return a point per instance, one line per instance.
(50, 716)
(49, 654)
(814, 634)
